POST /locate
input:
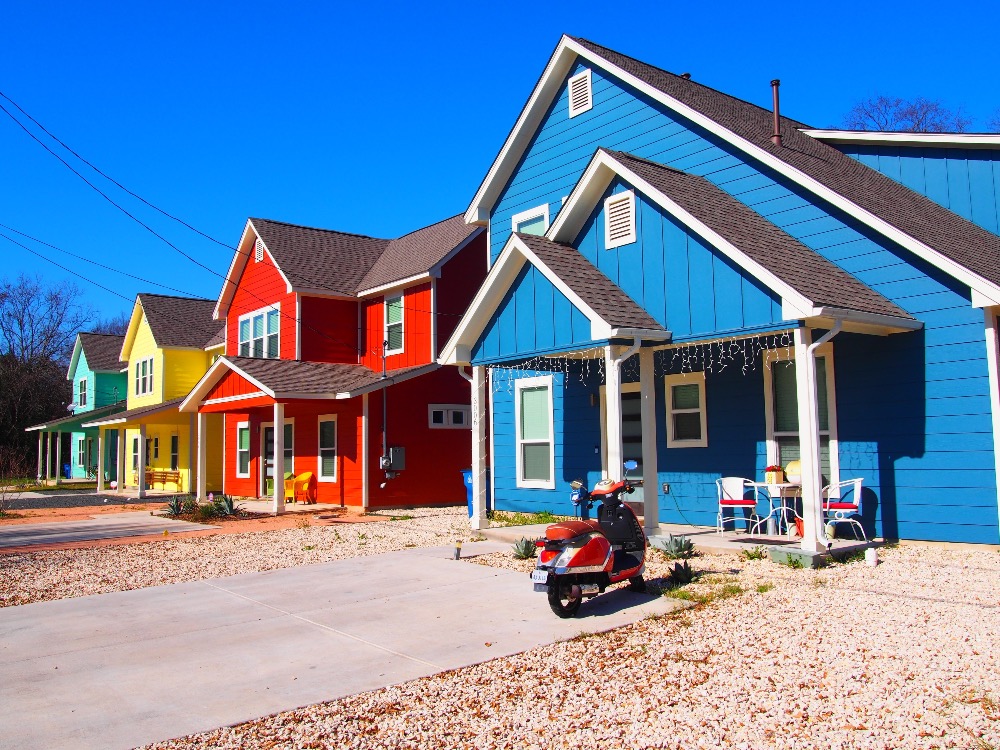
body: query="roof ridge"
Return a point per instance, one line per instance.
(321, 229)
(432, 224)
(95, 333)
(174, 296)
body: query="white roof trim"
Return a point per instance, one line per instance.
(244, 250)
(877, 137)
(381, 289)
(559, 64)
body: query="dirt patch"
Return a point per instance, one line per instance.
(82, 513)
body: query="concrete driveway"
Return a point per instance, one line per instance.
(126, 669)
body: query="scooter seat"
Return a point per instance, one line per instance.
(571, 529)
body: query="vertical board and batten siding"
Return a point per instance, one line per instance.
(416, 329)
(329, 330)
(258, 287)
(626, 120)
(966, 181)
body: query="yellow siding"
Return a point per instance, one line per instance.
(143, 347)
(214, 459)
(181, 371)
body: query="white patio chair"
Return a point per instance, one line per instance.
(841, 502)
(733, 496)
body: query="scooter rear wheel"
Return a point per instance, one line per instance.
(561, 599)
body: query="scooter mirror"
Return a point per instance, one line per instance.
(631, 465)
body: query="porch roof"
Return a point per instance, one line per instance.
(139, 414)
(75, 422)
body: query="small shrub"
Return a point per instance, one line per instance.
(226, 506)
(676, 547)
(681, 574)
(524, 549)
(174, 506)
(793, 562)
(205, 512)
(401, 518)
(302, 522)
(755, 553)
(189, 505)
(307, 547)
(763, 588)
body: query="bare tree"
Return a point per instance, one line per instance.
(15, 477)
(920, 115)
(116, 324)
(39, 321)
(994, 122)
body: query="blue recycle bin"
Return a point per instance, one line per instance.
(467, 478)
(67, 471)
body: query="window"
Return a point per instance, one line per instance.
(448, 416)
(82, 401)
(580, 93)
(535, 460)
(259, 333)
(782, 415)
(394, 324)
(135, 454)
(81, 453)
(619, 220)
(156, 447)
(686, 413)
(533, 221)
(174, 452)
(328, 448)
(144, 376)
(243, 450)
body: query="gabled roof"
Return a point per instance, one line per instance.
(809, 285)
(101, 350)
(175, 322)
(953, 244)
(219, 339)
(990, 141)
(296, 379)
(93, 419)
(74, 422)
(612, 313)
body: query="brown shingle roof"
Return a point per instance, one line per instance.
(605, 297)
(102, 351)
(288, 376)
(919, 217)
(180, 321)
(136, 413)
(805, 270)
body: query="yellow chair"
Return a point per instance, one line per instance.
(301, 488)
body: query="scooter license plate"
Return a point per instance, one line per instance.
(539, 576)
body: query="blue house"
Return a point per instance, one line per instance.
(687, 279)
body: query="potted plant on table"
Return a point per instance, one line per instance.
(774, 474)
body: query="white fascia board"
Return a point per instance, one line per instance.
(75, 359)
(236, 266)
(130, 333)
(876, 137)
(229, 399)
(325, 293)
(210, 378)
(393, 285)
(105, 422)
(390, 380)
(562, 59)
(558, 283)
(870, 319)
(646, 334)
(584, 197)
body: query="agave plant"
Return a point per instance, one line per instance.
(676, 547)
(681, 575)
(174, 506)
(225, 506)
(524, 549)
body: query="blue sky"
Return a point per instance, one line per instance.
(380, 118)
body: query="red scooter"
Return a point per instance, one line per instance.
(582, 558)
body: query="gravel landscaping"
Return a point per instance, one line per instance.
(900, 656)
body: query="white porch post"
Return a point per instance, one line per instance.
(279, 458)
(192, 466)
(808, 406)
(58, 456)
(38, 472)
(142, 462)
(613, 401)
(121, 459)
(48, 455)
(651, 481)
(365, 468)
(100, 459)
(202, 480)
(478, 520)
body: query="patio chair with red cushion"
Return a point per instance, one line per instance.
(733, 493)
(841, 502)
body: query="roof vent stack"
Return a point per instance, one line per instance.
(686, 76)
(776, 136)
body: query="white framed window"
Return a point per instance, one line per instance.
(781, 411)
(144, 376)
(533, 221)
(619, 219)
(82, 394)
(393, 324)
(135, 454)
(81, 452)
(243, 450)
(580, 93)
(260, 333)
(535, 449)
(327, 456)
(174, 452)
(687, 415)
(156, 448)
(449, 416)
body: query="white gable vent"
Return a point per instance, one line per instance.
(258, 251)
(580, 95)
(619, 216)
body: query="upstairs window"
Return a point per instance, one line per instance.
(144, 376)
(82, 400)
(394, 324)
(533, 221)
(580, 94)
(259, 333)
(619, 220)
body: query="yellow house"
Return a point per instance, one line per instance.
(170, 343)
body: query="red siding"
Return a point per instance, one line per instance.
(460, 279)
(329, 330)
(416, 330)
(232, 384)
(260, 285)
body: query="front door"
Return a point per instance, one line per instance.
(267, 451)
(632, 437)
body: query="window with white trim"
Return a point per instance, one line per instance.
(156, 448)
(81, 452)
(144, 376)
(449, 416)
(393, 324)
(135, 454)
(535, 454)
(243, 450)
(580, 93)
(327, 455)
(619, 220)
(533, 221)
(260, 333)
(174, 452)
(82, 400)
(687, 415)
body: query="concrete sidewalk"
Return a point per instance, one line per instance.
(111, 526)
(130, 668)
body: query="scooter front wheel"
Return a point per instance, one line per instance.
(564, 599)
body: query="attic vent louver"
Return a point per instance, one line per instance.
(580, 94)
(619, 216)
(258, 251)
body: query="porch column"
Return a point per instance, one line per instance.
(478, 520)
(808, 412)
(100, 459)
(279, 458)
(202, 479)
(613, 401)
(651, 480)
(365, 468)
(48, 455)
(192, 468)
(58, 456)
(121, 460)
(38, 472)
(142, 461)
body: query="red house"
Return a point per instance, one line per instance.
(330, 364)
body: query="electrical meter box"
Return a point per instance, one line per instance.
(395, 460)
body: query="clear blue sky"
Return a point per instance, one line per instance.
(380, 118)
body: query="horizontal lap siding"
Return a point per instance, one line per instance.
(260, 286)
(416, 330)
(329, 330)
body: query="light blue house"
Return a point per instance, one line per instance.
(99, 384)
(684, 278)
